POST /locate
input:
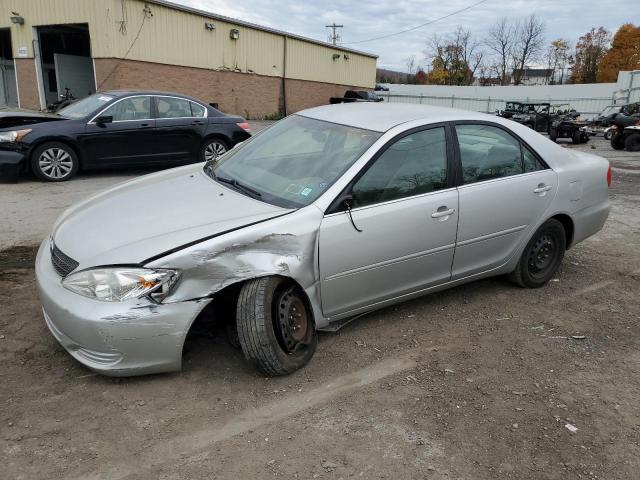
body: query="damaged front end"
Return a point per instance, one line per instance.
(285, 246)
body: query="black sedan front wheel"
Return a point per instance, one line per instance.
(54, 162)
(213, 148)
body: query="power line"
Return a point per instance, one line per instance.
(417, 26)
(334, 37)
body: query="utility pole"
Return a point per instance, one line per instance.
(334, 36)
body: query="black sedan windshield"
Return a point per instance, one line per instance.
(293, 162)
(84, 107)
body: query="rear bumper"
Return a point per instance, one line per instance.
(589, 221)
(11, 164)
(114, 338)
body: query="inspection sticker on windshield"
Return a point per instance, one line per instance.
(306, 191)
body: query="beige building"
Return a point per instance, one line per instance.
(47, 46)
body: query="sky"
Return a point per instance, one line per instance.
(365, 20)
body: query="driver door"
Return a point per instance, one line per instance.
(403, 235)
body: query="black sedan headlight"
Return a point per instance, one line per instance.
(14, 135)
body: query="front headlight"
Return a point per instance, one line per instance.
(123, 283)
(14, 135)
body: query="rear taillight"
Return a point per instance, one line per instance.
(609, 176)
(244, 126)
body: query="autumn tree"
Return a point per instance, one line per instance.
(454, 57)
(558, 56)
(623, 55)
(590, 50)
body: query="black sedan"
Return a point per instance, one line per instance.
(115, 129)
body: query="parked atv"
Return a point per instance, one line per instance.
(535, 116)
(626, 128)
(569, 126)
(66, 98)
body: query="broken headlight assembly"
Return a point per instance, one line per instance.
(119, 284)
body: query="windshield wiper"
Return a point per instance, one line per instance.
(237, 185)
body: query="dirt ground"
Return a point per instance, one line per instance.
(483, 381)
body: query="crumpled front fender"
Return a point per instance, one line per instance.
(285, 246)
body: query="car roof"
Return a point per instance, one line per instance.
(382, 116)
(127, 93)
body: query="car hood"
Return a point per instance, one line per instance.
(152, 215)
(19, 118)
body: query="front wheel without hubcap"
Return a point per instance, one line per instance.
(213, 148)
(542, 256)
(275, 325)
(54, 162)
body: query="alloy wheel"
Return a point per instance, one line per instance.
(55, 163)
(213, 151)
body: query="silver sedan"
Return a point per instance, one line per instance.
(331, 212)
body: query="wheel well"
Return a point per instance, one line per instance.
(569, 228)
(64, 142)
(222, 308)
(218, 136)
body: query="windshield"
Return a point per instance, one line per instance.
(293, 162)
(609, 110)
(514, 106)
(84, 107)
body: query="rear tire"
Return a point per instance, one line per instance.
(54, 162)
(553, 134)
(275, 326)
(212, 148)
(607, 135)
(617, 141)
(542, 256)
(632, 143)
(576, 137)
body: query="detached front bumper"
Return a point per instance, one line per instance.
(114, 338)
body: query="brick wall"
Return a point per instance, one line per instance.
(27, 83)
(241, 93)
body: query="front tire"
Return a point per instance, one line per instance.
(632, 143)
(212, 149)
(54, 162)
(553, 134)
(607, 135)
(617, 141)
(275, 326)
(542, 256)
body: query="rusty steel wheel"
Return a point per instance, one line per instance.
(276, 328)
(292, 321)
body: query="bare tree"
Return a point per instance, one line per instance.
(557, 57)
(500, 41)
(528, 46)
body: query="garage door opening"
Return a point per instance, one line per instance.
(65, 62)
(8, 91)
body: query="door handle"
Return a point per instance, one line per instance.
(542, 188)
(197, 122)
(145, 125)
(443, 212)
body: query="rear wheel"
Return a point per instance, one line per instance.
(542, 256)
(617, 141)
(212, 149)
(275, 325)
(632, 143)
(607, 135)
(553, 134)
(54, 162)
(576, 137)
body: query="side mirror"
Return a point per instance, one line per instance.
(102, 119)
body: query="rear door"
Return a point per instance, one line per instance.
(400, 234)
(129, 139)
(181, 124)
(506, 190)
